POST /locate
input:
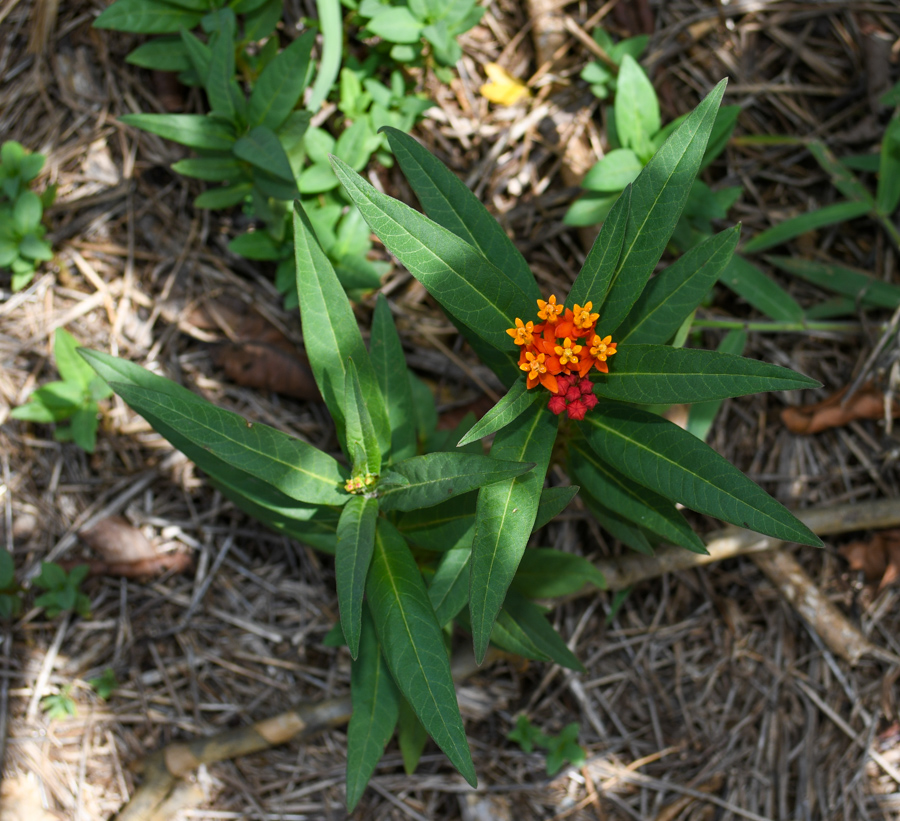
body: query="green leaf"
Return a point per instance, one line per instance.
(887, 197)
(456, 274)
(413, 645)
(147, 17)
(280, 85)
(330, 331)
(262, 150)
(71, 367)
(842, 177)
(545, 574)
(812, 221)
(554, 500)
(449, 202)
(37, 249)
(657, 199)
(396, 25)
(27, 212)
(449, 588)
(726, 120)
(636, 107)
(199, 54)
(221, 68)
(505, 516)
(670, 297)
(193, 130)
(411, 737)
(703, 414)
(661, 375)
(436, 477)
(389, 363)
(530, 619)
(445, 526)
(664, 458)
(362, 444)
(225, 197)
(84, 427)
(589, 209)
(332, 27)
(616, 170)
(355, 542)
(517, 400)
(597, 273)
(632, 501)
(211, 169)
(619, 527)
(160, 54)
(256, 245)
(761, 291)
(858, 285)
(297, 469)
(375, 711)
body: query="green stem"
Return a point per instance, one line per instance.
(780, 327)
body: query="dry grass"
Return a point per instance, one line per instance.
(705, 695)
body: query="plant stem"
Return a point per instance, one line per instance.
(767, 326)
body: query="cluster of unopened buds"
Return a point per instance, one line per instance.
(559, 353)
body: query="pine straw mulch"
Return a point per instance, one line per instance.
(705, 696)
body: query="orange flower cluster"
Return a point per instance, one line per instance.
(562, 349)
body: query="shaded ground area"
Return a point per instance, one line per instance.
(706, 695)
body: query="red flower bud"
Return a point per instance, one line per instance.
(577, 410)
(586, 386)
(573, 394)
(590, 401)
(557, 404)
(564, 382)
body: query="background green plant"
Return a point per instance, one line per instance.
(426, 536)
(560, 748)
(74, 398)
(63, 590)
(22, 244)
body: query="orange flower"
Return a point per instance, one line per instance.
(583, 317)
(567, 352)
(522, 334)
(549, 311)
(537, 370)
(600, 350)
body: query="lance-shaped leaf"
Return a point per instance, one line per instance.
(198, 53)
(391, 372)
(811, 221)
(148, 17)
(263, 150)
(661, 375)
(449, 588)
(505, 516)
(451, 203)
(413, 644)
(531, 621)
(619, 527)
(544, 574)
(280, 85)
(436, 477)
(517, 400)
(193, 130)
(355, 542)
(296, 468)
(362, 444)
(632, 501)
(375, 710)
(888, 193)
(470, 287)
(444, 526)
(760, 290)
(858, 285)
(670, 297)
(221, 87)
(596, 275)
(331, 333)
(658, 197)
(411, 737)
(554, 500)
(663, 457)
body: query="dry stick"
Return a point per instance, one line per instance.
(164, 769)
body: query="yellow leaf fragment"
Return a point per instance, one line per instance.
(503, 88)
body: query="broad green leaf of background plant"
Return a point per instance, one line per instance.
(620, 167)
(530, 619)
(761, 291)
(658, 197)
(670, 297)
(789, 229)
(661, 456)
(455, 273)
(516, 401)
(413, 645)
(631, 500)
(193, 130)
(147, 17)
(505, 515)
(554, 500)
(860, 286)
(449, 202)
(71, 367)
(386, 353)
(445, 526)
(299, 470)
(225, 97)
(546, 574)
(436, 477)
(662, 375)
(625, 531)
(375, 711)
(355, 542)
(593, 281)
(280, 85)
(331, 333)
(262, 149)
(636, 108)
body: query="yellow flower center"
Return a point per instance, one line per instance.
(567, 352)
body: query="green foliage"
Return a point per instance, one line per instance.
(426, 536)
(10, 592)
(75, 397)
(104, 684)
(22, 244)
(63, 590)
(560, 749)
(59, 705)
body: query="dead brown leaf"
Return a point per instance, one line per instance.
(123, 550)
(878, 559)
(866, 403)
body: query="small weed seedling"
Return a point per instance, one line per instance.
(105, 684)
(74, 398)
(560, 749)
(22, 244)
(427, 531)
(59, 705)
(63, 590)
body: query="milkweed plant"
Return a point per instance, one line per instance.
(431, 535)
